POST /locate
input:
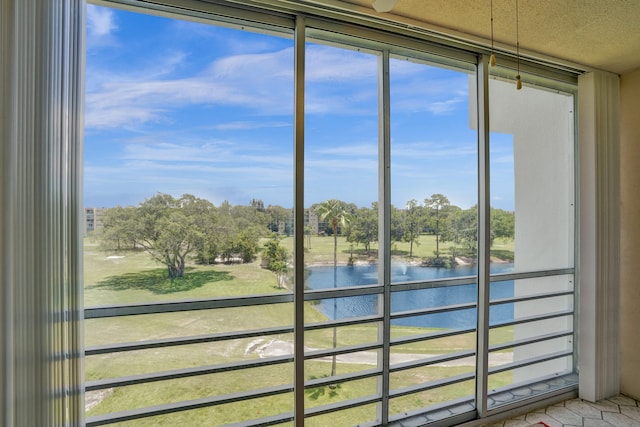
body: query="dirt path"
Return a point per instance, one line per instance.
(280, 348)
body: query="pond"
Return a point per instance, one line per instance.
(359, 275)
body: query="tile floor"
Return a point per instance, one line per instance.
(619, 411)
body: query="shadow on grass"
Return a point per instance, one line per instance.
(316, 392)
(156, 281)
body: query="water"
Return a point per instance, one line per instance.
(359, 275)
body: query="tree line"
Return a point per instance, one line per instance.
(435, 215)
(174, 230)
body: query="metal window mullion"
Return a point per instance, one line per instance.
(444, 406)
(169, 408)
(342, 405)
(576, 231)
(536, 318)
(220, 13)
(431, 336)
(527, 341)
(482, 357)
(177, 341)
(337, 379)
(435, 310)
(315, 354)
(350, 291)
(384, 224)
(528, 362)
(431, 284)
(432, 360)
(322, 28)
(545, 295)
(299, 79)
(503, 277)
(184, 373)
(188, 305)
(431, 385)
(347, 322)
(265, 421)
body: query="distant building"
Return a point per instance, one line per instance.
(93, 219)
(311, 220)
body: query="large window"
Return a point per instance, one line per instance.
(189, 160)
(409, 305)
(532, 165)
(341, 193)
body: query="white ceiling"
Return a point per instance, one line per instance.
(598, 34)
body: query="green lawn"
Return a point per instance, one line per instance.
(133, 277)
(320, 249)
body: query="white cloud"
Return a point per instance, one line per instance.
(429, 150)
(188, 152)
(250, 125)
(100, 21)
(442, 107)
(505, 159)
(356, 151)
(419, 87)
(261, 82)
(329, 64)
(347, 166)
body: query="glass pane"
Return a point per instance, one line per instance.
(433, 231)
(341, 248)
(189, 193)
(532, 331)
(441, 403)
(220, 415)
(365, 414)
(532, 229)
(433, 169)
(532, 176)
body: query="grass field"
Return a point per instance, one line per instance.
(132, 277)
(320, 249)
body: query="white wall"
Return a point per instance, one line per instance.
(541, 123)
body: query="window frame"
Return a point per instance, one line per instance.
(389, 43)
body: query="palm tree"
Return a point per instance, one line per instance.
(335, 213)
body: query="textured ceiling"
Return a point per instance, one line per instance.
(600, 34)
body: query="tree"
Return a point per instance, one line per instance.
(437, 205)
(248, 216)
(397, 224)
(412, 224)
(465, 228)
(246, 242)
(363, 229)
(118, 228)
(503, 223)
(276, 259)
(335, 214)
(257, 204)
(172, 229)
(238, 231)
(168, 229)
(279, 219)
(307, 233)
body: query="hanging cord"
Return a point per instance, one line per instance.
(492, 58)
(518, 80)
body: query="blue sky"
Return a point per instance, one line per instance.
(182, 107)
